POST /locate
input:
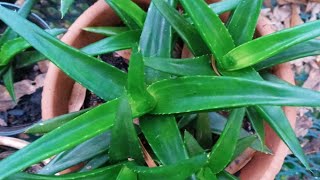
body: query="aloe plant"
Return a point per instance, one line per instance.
(168, 95)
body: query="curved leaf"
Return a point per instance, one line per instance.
(203, 131)
(192, 145)
(309, 48)
(51, 124)
(264, 47)
(242, 145)
(210, 27)
(9, 82)
(80, 153)
(28, 58)
(181, 67)
(107, 31)
(124, 139)
(126, 174)
(223, 150)
(65, 6)
(65, 57)
(110, 172)
(242, 27)
(12, 47)
(140, 99)
(156, 40)
(205, 173)
(257, 124)
(94, 122)
(187, 94)
(24, 11)
(96, 162)
(185, 29)
(134, 18)
(180, 170)
(125, 40)
(163, 135)
(224, 6)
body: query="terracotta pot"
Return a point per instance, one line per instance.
(59, 93)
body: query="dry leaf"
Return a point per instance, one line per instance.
(303, 125)
(13, 142)
(77, 97)
(313, 81)
(24, 87)
(3, 123)
(43, 66)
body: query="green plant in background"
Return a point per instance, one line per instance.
(168, 95)
(12, 51)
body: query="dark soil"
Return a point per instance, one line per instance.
(91, 99)
(28, 109)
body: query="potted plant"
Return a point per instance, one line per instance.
(17, 54)
(173, 91)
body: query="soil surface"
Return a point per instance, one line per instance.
(91, 99)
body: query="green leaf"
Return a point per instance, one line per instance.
(125, 40)
(28, 58)
(126, 174)
(163, 135)
(181, 67)
(205, 174)
(192, 145)
(156, 40)
(124, 139)
(24, 11)
(223, 150)
(267, 46)
(284, 130)
(203, 131)
(309, 48)
(96, 162)
(107, 31)
(94, 122)
(242, 27)
(80, 153)
(188, 94)
(242, 145)
(134, 18)
(185, 29)
(110, 172)
(257, 124)
(139, 97)
(210, 27)
(218, 122)
(53, 123)
(9, 82)
(12, 47)
(64, 57)
(65, 6)
(224, 175)
(179, 170)
(224, 6)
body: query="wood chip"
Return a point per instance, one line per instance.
(13, 142)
